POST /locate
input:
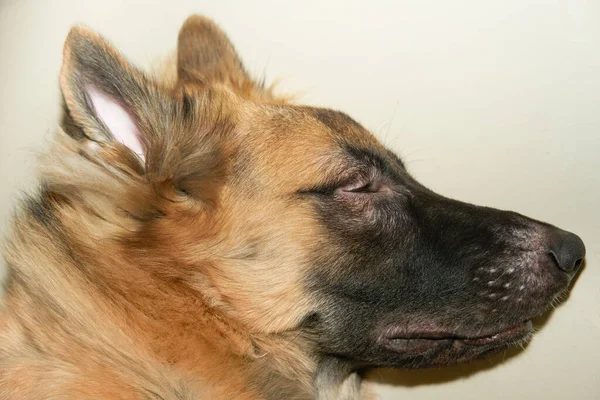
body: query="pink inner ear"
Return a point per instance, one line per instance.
(118, 121)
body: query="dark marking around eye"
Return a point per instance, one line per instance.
(374, 160)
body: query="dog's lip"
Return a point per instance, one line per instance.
(518, 331)
(419, 342)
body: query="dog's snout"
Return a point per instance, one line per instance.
(567, 250)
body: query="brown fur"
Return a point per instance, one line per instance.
(176, 279)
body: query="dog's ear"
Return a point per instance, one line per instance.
(108, 99)
(205, 55)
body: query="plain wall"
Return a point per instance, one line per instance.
(490, 102)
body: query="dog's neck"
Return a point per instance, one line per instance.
(165, 318)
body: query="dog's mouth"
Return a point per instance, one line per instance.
(445, 346)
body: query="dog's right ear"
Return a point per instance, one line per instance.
(108, 99)
(205, 55)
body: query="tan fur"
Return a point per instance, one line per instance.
(132, 289)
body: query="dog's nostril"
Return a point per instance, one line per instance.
(554, 258)
(567, 250)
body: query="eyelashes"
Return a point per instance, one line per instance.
(357, 186)
(363, 187)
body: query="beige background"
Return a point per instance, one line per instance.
(491, 102)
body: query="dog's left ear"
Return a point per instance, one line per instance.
(108, 99)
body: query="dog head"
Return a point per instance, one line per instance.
(294, 218)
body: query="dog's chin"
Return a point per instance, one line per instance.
(435, 348)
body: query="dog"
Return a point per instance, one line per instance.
(200, 237)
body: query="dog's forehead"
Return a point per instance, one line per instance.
(345, 130)
(299, 145)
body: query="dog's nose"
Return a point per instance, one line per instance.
(567, 250)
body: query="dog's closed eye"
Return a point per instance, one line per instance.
(362, 186)
(360, 183)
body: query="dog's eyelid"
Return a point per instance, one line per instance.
(371, 185)
(329, 188)
(356, 185)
